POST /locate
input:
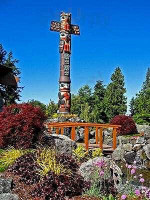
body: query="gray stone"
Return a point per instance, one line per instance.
(61, 143)
(130, 157)
(5, 185)
(148, 141)
(123, 140)
(88, 167)
(140, 140)
(112, 170)
(106, 132)
(8, 196)
(118, 153)
(127, 147)
(92, 133)
(144, 129)
(147, 150)
(137, 147)
(92, 141)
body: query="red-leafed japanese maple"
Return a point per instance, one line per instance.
(127, 124)
(20, 125)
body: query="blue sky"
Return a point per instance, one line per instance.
(113, 33)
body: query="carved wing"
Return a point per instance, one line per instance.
(75, 30)
(55, 26)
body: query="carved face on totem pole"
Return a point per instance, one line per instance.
(65, 36)
(64, 96)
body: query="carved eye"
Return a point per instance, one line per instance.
(63, 34)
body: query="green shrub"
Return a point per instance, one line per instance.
(142, 118)
(9, 156)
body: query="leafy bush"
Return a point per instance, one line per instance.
(56, 187)
(46, 159)
(127, 124)
(20, 125)
(142, 119)
(9, 156)
(27, 169)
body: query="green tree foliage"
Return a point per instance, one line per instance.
(141, 105)
(9, 93)
(82, 102)
(98, 111)
(51, 108)
(37, 103)
(115, 101)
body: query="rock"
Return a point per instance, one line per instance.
(87, 168)
(8, 196)
(127, 147)
(137, 147)
(118, 153)
(111, 168)
(62, 143)
(92, 141)
(107, 132)
(144, 129)
(148, 141)
(92, 133)
(123, 140)
(140, 140)
(130, 157)
(147, 150)
(5, 185)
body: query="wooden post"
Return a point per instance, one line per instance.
(73, 133)
(86, 137)
(114, 138)
(101, 138)
(96, 135)
(57, 130)
(62, 130)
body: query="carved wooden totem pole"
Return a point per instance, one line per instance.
(66, 29)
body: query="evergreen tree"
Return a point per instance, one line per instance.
(132, 106)
(98, 112)
(37, 103)
(51, 108)
(115, 101)
(10, 94)
(142, 102)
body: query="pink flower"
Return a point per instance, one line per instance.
(137, 192)
(129, 166)
(126, 165)
(134, 176)
(142, 180)
(132, 171)
(140, 175)
(101, 173)
(134, 162)
(100, 163)
(123, 196)
(134, 167)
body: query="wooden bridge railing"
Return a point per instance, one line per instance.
(59, 126)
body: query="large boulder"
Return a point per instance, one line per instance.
(8, 196)
(5, 185)
(118, 153)
(147, 150)
(61, 143)
(130, 157)
(111, 170)
(144, 129)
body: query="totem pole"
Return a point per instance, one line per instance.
(66, 29)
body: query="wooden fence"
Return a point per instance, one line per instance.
(59, 126)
